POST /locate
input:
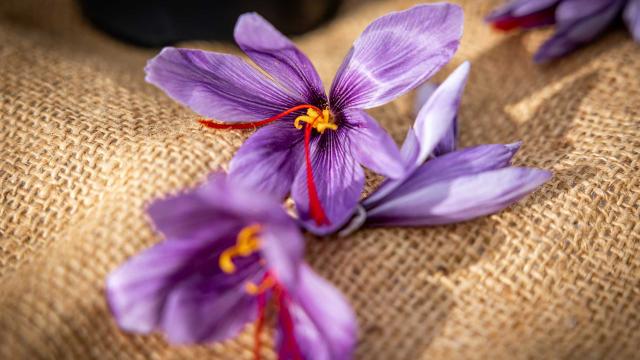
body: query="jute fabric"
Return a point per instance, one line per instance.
(85, 144)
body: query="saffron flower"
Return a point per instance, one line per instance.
(314, 144)
(453, 185)
(577, 21)
(228, 252)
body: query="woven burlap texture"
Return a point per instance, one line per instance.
(85, 143)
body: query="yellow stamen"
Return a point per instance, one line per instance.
(320, 122)
(265, 285)
(247, 243)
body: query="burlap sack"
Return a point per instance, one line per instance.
(85, 143)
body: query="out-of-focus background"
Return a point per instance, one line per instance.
(85, 143)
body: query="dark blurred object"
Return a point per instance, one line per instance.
(162, 22)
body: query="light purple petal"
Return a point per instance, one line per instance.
(525, 14)
(283, 250)
(423, 94)
(372, 145)
(458, 199)
(578, 22)
(395, 53)
(220, 86)
(463, 162)
(433, 122)
(269, 160)
(339, 182)
(437, 116)
(325, 325)
(449, 141)
(632, 18)
(279, 57)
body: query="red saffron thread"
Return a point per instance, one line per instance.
(315, 207)
(250, 125)
(257, 344)
(525, 21)
(290, 344)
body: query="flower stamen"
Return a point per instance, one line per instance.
(247, 243)
(254, 124)
(319, 121)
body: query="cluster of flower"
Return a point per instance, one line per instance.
(577, 21)
(231, 248)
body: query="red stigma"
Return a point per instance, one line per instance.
(539, 18)
(290, 345)
(315, 207)
(254, 124)
(257, 344)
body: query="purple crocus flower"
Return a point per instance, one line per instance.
(577, 21)
(228, 251)
(453, 185)
(319, 166)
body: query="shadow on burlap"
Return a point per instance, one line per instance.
(85, 144)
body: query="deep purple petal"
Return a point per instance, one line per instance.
(339, 182)
(201, 310)
(279, 57)
(372, 145)
(433, 122)
(578, 22)
(325, 326)
(524, 14)
(269, 160)
(395, 53)
(458, 199)
(632, 18)
(220, 86)
(139, 290)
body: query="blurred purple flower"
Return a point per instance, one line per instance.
(319, 166)
(577, 21)
(228, 251)
(454, 185)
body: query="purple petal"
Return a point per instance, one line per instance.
(283, 250)
(578, 22)
(524, 14)
(220, 86)
(372, 145)
(423, 94)
(632, 18)
(140, 290)
(269, 160)
(437, 116)
(433, 122)
(325, 326)
(279, 57)
(463, 162)
(202, 310)
(339, 182)
(458, 199)
(449, 141)
(395, 53)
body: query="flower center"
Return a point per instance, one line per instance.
(315, 118)
(318, 121)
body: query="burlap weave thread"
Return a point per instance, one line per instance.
(85, 143)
